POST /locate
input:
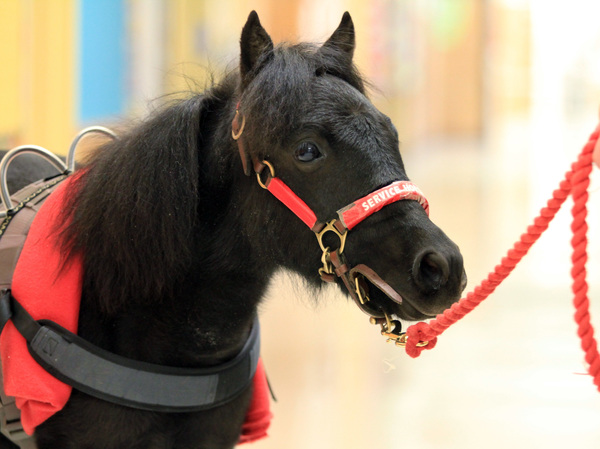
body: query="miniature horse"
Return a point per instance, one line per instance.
(179, 244)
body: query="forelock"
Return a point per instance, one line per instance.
(276, 99)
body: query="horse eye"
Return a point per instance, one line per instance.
(307, 152)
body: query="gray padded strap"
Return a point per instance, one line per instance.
(137, 384)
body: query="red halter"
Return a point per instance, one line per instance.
(348, 216)
(334, 264)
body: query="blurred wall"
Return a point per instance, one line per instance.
(70, 63)
(37, 78)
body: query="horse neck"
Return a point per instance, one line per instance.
(207, 316)
(204, 322)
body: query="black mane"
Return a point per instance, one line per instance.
(137, 204)
(144, 201)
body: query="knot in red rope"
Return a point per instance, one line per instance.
(420, 337)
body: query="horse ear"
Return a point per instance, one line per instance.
(254, 42)
(343, 38)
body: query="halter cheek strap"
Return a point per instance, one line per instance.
(348, 216)
(284, 194)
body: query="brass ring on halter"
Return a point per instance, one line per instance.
(330, 227)
(271, 170)
(238, 134)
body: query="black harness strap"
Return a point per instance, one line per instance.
(128, 382)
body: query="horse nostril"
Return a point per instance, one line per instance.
(431, 271)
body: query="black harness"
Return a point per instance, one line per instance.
(128, 382)
(117, 379)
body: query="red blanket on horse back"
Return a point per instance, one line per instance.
(51, 291)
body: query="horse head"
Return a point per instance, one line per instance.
(303, 119)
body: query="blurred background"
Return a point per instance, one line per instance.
(493, 100)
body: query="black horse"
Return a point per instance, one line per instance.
(179, 244)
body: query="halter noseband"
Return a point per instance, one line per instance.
(334, 263)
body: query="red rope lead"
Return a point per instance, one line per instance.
(579, 228)
(575, 183)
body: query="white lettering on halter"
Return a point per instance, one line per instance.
(386, 194)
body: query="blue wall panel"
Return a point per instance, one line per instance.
(102, 59)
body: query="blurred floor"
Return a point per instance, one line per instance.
(508, 375)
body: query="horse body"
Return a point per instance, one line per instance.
(179, 244)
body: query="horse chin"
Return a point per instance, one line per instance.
(380, 303)
(409, 313)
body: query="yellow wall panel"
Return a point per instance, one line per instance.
(10, 19)
(51, 119)
(203, 36)
(184, 19)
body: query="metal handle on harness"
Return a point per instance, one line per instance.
(54, 160)
(78, 137)
(10, 156)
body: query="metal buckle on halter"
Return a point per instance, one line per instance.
(392, 330)
(327, 270)
(330, 227)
